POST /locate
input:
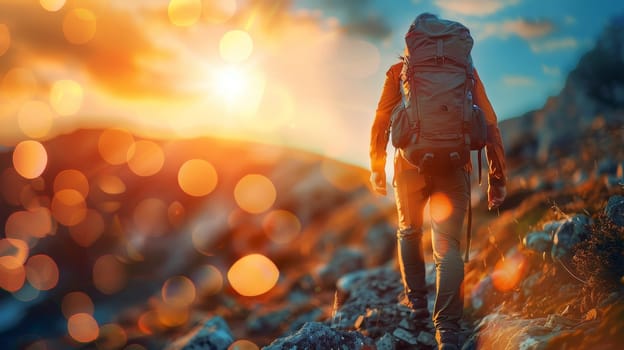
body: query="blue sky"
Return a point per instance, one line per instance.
(524, 49)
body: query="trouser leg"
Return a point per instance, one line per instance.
(449, 202)
(410, 194)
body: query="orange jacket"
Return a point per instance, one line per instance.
(391, 95)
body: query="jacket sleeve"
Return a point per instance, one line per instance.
(390, 96)
(494, 148)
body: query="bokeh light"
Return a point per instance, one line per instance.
(178, 291)
(208, 280)
(27, 293)
(111, 184)
(12, 184)
(68, 207)
(83, 328)
(148, 322)
(113, 145)
(42, 272)
(79, 26)
(197, 177)
(112, 336)
(508, 272)
(281, 226)
(30, 159)
(151, 217)
(145, 158)
(440, 206)
(86, 232)
(235, 46)
(172, 315)
(52, 5)
(184, 13)
(71, 179)
(176, 214)
(13, 252)
(218, 11)
(109, 274)
(12, 279)
(66, 97)
(255, 193)
(243, 344)
(253, 275)
(35, 119)
(5, 39)
(36, 222)
(76, 303)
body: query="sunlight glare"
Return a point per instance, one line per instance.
(79, 26)
(66, 97)
(52, 5)
(235, 46)
(184, 13)
(509, 272)
(253, 275)
(35, 119)
(440, 207)
(30, 159)
(5, 39)
(219, 11)
(230, 84)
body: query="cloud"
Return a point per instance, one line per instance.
(524, 28)
(114, 59)
(359, 19)
(551, 71)
(518, 80)
(474, 7)
(567, 43)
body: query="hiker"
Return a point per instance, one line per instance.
(423, 172)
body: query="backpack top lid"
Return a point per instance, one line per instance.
(431, 38)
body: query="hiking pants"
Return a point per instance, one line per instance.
(448, 196)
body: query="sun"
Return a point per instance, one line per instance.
(230, 83)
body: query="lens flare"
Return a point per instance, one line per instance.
(440, 207)
(79, 26)
(235, 46)
(184, 13)
(253, 275)
(509, 271)
(255, 193)
(76, 303)
(197, 177)
(42, 272)
(30, 159)
(83, 328)
(66, 97)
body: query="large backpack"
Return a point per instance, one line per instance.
(432, 125)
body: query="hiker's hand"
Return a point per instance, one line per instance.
(496, 196)
(378, 181)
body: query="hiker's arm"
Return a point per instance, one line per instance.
(494, 148)
(390, 96)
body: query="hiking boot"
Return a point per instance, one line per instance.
(417, 306)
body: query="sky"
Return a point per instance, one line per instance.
(298, 73)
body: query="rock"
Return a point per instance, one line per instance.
(214, 334)
(426, 338)
(570, 233)
(539, 242)
(615, 210)
(482, 293)
(268, 322)
(386, 342)
(551, 226)
(343, 261)
(318, 336)
(405, 335)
